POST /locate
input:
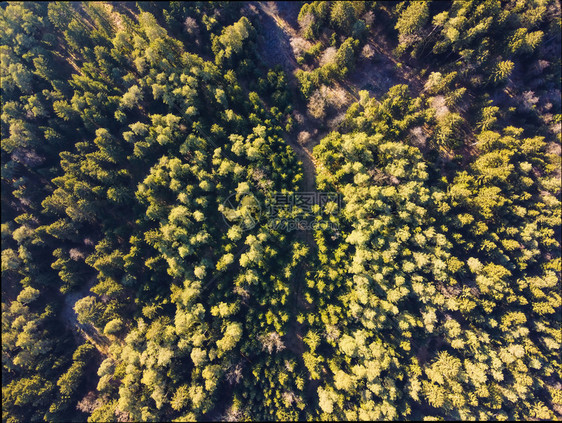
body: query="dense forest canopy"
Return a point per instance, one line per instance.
(414, 148)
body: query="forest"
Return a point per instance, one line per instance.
(412, 151)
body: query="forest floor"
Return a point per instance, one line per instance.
(276, 49)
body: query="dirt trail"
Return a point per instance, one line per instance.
(308, 162)
(275, 50)
(69, 318)
(277, 37)
(271, 9)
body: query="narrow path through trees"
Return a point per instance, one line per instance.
(88, 332)
(279, 29)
